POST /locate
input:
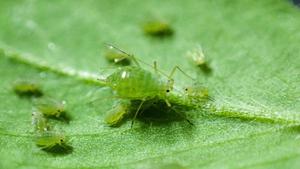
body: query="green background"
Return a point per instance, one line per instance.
(254, 51)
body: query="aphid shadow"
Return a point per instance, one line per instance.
(29, 94)
(206, 69)
(64, 117)
(63, 149)
(157, 112)
(161, 34)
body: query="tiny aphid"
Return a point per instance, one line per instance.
(50, 107)
(49, 140)
(157, 28)
(27, 89)
(133, 83)
(196, 93)
(39, 122)
(116, 57)
(197, 57)
(116, 115)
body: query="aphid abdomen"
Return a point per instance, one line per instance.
(135, 83)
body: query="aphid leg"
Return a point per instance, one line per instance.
(182, 116)
(137, 111)
(178, 68)
(155, 67)
(120, 50)
(168, 103)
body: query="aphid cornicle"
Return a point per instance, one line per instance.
(50, 107)
(132, 83)
(27, 88)
(39, 122)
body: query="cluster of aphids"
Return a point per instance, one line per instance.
(159, 28)
(137, 90)
(44, 109)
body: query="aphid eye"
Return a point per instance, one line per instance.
(167, 90)
(61, 140)
(186, 89)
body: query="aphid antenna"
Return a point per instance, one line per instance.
(122, 51)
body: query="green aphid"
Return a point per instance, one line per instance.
(157, 28)
(135, 83)
(50, 107)
(117, 113)
(39, 122)
(49, 140)
(27, 89)
(196, 94)
(197, 57)
(116, 57)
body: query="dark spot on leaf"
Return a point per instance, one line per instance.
(296, 2)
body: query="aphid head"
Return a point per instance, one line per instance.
(169, 86)
(196, 92)
(61, 139)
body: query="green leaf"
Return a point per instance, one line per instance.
(253, 47)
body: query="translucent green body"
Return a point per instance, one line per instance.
(39, 122)
(117, 58)
(157, 29)
(25, 88)
(50, 107)
(135, 83)
(116, 115)
(49, 140)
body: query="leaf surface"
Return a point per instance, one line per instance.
(254, 52)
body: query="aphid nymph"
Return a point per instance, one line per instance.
(197, 57)
(196, 93)
(119, 111)
(50, 107)
(27, 89)
(157, 28)
(39, 122)
(49, 140)
(117, 57)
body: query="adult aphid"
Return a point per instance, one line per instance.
(50, 107)
(51, 140)
(157, 28)
(132, 83)
(39, 122)
(27, 89)
(117, 57)
(197, 57)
